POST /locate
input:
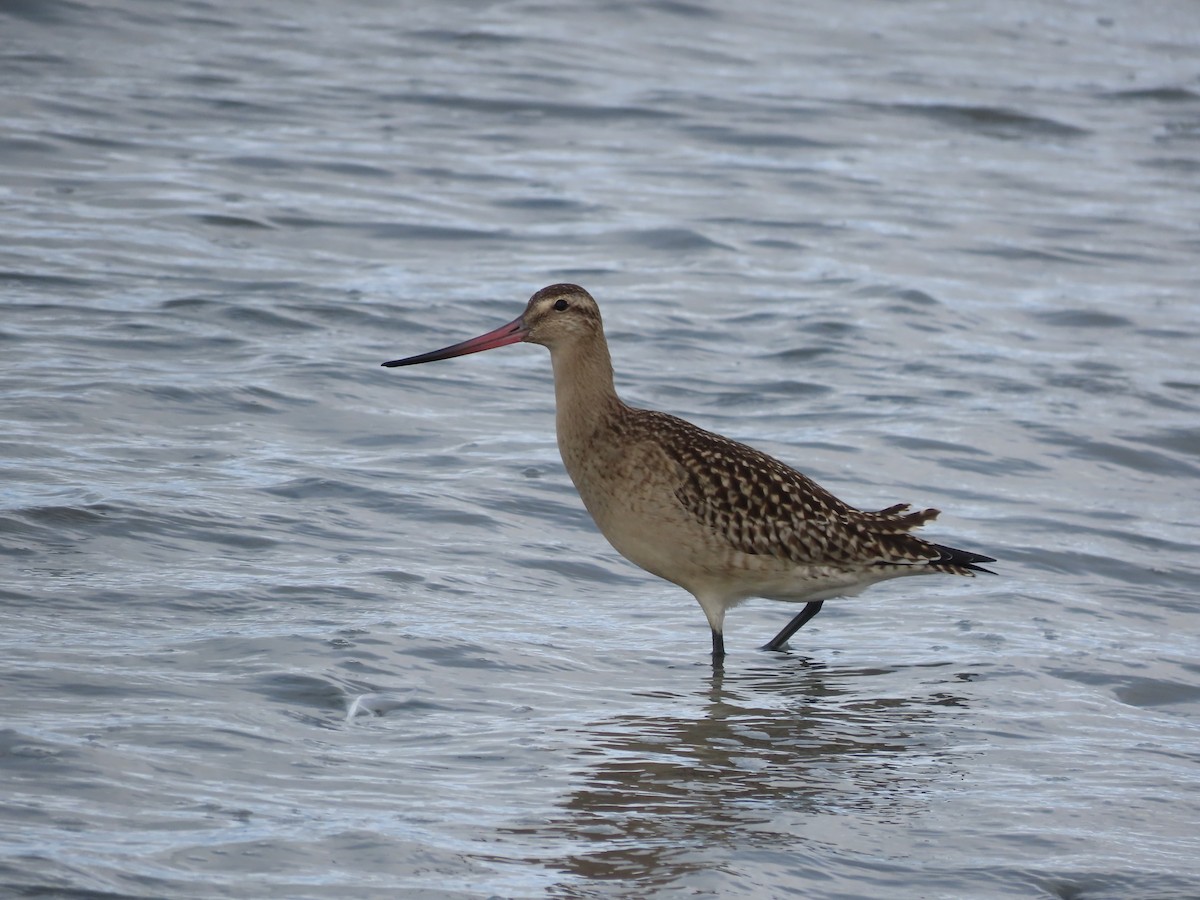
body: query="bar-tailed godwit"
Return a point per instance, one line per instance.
(716, 517)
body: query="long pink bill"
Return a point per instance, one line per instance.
(506, 334)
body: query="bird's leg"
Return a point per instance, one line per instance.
(810, 609)
(718, 646)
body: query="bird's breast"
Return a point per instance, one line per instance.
(630, 488)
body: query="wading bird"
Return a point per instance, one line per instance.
(716, 517)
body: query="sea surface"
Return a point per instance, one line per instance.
(276, 622)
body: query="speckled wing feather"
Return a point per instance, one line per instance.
(763, 507)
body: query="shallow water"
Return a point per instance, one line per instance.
(279, 623)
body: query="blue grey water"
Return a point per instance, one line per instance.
(279, 623)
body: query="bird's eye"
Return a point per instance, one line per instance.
(560, 305)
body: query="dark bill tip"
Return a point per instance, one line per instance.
(511, 333)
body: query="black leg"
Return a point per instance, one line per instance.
(718, 645)
(810, 609)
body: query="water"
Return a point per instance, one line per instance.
(280, 623)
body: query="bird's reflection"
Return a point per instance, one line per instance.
(661, 796)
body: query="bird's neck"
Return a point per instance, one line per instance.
(584, 396)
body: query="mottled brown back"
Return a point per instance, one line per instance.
(761, 506)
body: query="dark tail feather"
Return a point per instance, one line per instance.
(961, 559)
